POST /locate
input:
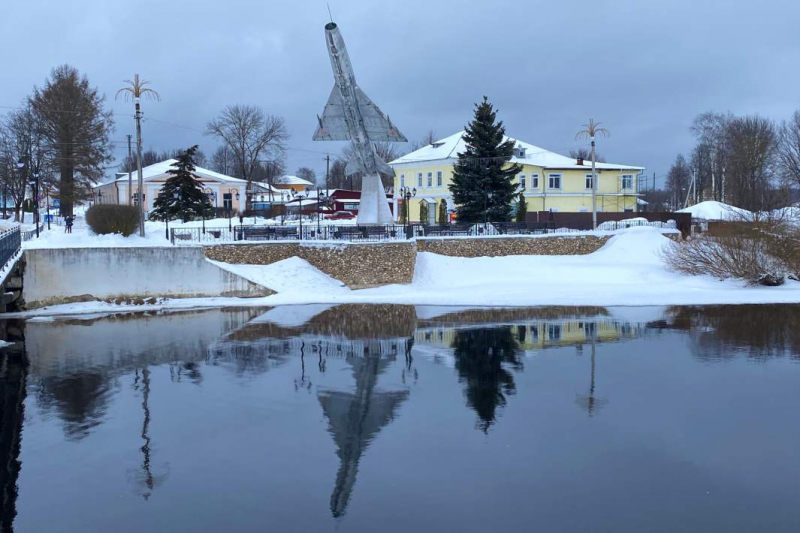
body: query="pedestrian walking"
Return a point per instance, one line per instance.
(68, 224)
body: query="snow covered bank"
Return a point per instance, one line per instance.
(713, 210)
(627, 271)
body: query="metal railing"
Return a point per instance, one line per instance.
(192, 235)
(10, 242)
(31, 233)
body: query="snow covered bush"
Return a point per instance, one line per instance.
(762, 253)
(107, 218)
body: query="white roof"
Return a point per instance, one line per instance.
(713, 210)
(450, 147)
(159, 170)
(293, 180)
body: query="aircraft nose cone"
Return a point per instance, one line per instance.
(330, 26)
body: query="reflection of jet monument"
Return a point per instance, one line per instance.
(355, 418)
(351, 116)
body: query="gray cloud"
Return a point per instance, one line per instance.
(644, 70)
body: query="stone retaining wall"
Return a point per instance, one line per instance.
(357, 265)
(493, 247)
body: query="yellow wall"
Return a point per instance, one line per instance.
(572, 196)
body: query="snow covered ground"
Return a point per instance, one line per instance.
(627, 271)
(712, 210)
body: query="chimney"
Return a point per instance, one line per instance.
(580, 161)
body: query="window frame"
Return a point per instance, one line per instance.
(622, 182)
(523, 182)
(589, 179)
(419, 180)
(430, 179)
(560, 178)
(535, 182)
(402, 180)
(439, 178)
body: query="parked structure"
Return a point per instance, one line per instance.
(224, 192)
(549, 181)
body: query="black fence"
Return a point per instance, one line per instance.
(209, 235)
(583, 221)
(10, 242)
(31, 233)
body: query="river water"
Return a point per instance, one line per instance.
(401, 418)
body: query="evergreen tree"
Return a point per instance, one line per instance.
(522, 208)
(482, 182)
(182, 195)
(443, 211)
(423, 212)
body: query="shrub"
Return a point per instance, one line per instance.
(122, 219)
(760, 252)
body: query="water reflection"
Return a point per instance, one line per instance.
(482, 356)
(355, 418)
(309, 375)
(13, 372)
(718, 333)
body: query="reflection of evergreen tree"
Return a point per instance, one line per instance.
(13, 373)
(81, 400)
(481, 355)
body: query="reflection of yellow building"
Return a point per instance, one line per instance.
(549, 181)
(540, 334)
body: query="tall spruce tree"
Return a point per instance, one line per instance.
(482, 183)
(182, 195)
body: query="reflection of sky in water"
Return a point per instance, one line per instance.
(237, 419)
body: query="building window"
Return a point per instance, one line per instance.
(438, 178)
(522, 181)
(402, 180)
(534, 181)
(554, 332)
(627, 181)
(227, 201)
(555, 181)
(430, 179)
(351, 207)
(419, 179)
(589, 182)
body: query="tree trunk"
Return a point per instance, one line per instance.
(66, 190)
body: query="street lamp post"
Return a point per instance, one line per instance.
(407, 193)
(300, 197)
(209, 193)
(283, 207)
(321, 196)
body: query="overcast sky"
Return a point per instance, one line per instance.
(643, 68)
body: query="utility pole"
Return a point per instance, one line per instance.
(130, 171)
(140, 180)
(327, 172)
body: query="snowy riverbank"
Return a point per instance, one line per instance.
(627, 271)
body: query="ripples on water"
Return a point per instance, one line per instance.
(399, 418)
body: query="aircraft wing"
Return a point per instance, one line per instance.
(379, 127)
(332, 124)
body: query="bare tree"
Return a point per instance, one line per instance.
(585, 154)
(710, 159)
(385, 150)
(76, 130)
(252, 136)
(222, 161)
(307, 174)
(789, 150)
(678, 180)
(753, 148)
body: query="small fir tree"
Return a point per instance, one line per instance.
(443, 212)
(482, 183)
(522, 208)
(402, 214)
(182, 195)
(423, 212)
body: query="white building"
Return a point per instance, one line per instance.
(224, 191)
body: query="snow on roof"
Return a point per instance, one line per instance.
(713, 210)
(159, 170)
(450, 147)
(293, 180)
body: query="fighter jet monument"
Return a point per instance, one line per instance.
(351, 116)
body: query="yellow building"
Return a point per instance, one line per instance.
(549, 181)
